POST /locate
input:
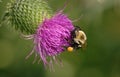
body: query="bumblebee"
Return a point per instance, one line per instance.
(78, 39)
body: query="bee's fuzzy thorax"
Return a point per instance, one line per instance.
(52, 36)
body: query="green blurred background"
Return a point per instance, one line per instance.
(101, 22)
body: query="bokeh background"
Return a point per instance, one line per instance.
(100, 19)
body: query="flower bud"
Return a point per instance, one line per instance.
(26, 15)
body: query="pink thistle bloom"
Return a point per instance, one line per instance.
(52, 37)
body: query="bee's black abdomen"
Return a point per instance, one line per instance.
(75, 46)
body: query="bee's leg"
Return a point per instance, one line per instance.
(79, 46)
(76, 41)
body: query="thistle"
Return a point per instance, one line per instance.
(52, 37)
(26, 15)
(51, 32)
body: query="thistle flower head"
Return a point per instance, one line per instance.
(53, 36)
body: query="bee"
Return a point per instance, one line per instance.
(78, 39)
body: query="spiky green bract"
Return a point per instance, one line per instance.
(26, 15)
